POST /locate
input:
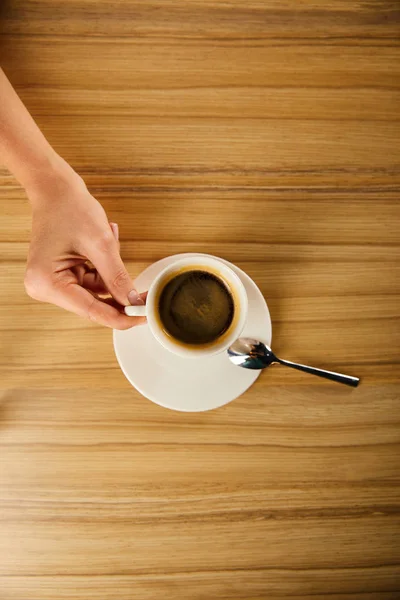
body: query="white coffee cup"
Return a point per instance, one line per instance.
(151, 310)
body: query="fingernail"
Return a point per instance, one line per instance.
(115, 230)
(135, 299)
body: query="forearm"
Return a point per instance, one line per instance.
(23, 148)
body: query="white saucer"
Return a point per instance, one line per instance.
(186, 384)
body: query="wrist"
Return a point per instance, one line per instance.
(51, 181)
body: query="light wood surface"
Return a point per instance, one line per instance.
(266, 132)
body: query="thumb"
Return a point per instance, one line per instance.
(115, 276)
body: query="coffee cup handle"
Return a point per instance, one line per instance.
(135, 311)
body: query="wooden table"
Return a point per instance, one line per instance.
(266, 132)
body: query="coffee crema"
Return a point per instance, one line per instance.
(196, 307)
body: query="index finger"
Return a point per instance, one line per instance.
(78, 300)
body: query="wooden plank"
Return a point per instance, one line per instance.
(280, 544)
(196, 19)
(149, 251)
(125, 145)
(356, 180)
(206, 469)
(202, 219)
(246, 585)
(311, 103)
(315, 416)
(145, 64)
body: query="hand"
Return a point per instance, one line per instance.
(70, 227)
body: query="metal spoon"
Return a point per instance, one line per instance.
(252, 354)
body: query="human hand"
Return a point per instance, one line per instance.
(70, 228)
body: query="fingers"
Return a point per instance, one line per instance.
(93, 282)
(67, 292)
(115, 230)
(107, 260)
(89, 279)
(76, 299)
(76, 288)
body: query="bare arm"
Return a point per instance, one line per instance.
(23, 148)
(69, 226)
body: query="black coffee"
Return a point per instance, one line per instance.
(196, 307)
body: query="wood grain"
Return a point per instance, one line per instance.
(268, 133)
(197, 19)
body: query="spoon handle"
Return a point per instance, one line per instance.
(346, 379)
